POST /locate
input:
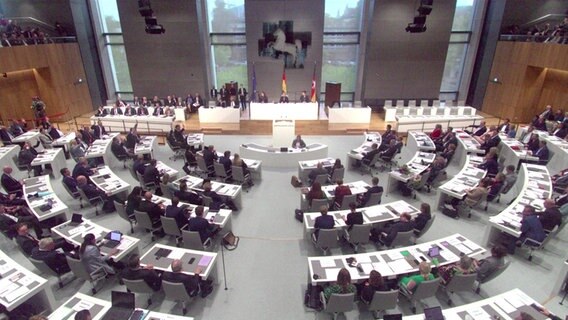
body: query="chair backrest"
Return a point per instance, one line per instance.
(402, 239)
(238, 174)
(423, 103)
(166, 191)
(423, 180)
(143, 219)
(496, 273)
(219, 169)
(133, 172)
(201, 163)
(340, 302)
(461, 282)
(206, 200)
(375, 198)
(321, 178)
(141, 179)
(175, 291)
(317, 203)
(327, 238)
(172, 147)
(42, 267)
(427, 226)
(78, 268)
(192, 240)
(347, 200)
(83, 195)
(137, 286)
(384, 300)
(121, 209)
(170, 226)
(73, 195)
(337, 174)
(376, 158)
(359, 233)
(388, 103)
(426, 289)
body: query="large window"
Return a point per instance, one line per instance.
(341, 39)
(226, 19)
(459, 43)
(111, 46)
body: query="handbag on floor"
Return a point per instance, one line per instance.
(296, 183)
(299, 215)
(312, 297)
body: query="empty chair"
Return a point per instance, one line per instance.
(346, 201)
(22, 167)
(400, 103)
(412, 103)
(459, 283)
(402, 239)
(171, 228)
(423, 103)
(327, 238)
(338, 303)
(321, 178)
(534, 245)
(144, 221)
(80, 271)
(92, 201)
(239, 177)
(317, 203)
(388, 103)
(338, 174)
(192, 240)
(492, 276)
(139, 286)
(435, 103)
(375, 199)
(368, 166)
(177, 292)
(45, 269)
(177, 151)
(359, 234)
(425, 289)
(220, 172)
(121, 209)
(418, 186)
(382, 300)
(145, 184)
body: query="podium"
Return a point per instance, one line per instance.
(283, 132)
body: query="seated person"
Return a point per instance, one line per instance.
(98, 130)
(448, 152)
(490, 164)
(353, 217)
(496, 185)
(336, 165)
(298, 143)
(315, 193)
(117, 148)
(373, 284)
(193, 284)
(69, 181)
(489, 265)
(391, 150)
(479, 130)
(225, 160)
(342, 285)
(284, 98)
(217, 200)
(82, 168)
(473, 196)
(130, 110)
(26, 156)
(45, 251)
(10, 216)
(152, 174)
(437, 132)
(10, 184)
(186, 195)
(409, 283)
(11, 200)
(340, 192)
(319, 170)
(92, 258)
(464, 266)
(27, 242)
(201, 225)
(368, 157)
(551, 216)
(179, 138)
(209, 155)
(93, 192)
(139, 164)
(133, 200)
(435, 169)
(388, 233)
(422, 218)
(178, 213)
(190, 161)
(531, 228)
(155, 211)
(365, 197)
(510, 178)
(237, 161)
(324, 221)
(101, 111)
(134, 271)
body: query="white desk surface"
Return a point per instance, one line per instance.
(18, 283)
(100, 146)
(252, 165)
(417, 165)
(394, 262)
(54, 157)
(203, 259)
(26, 136)
(147, 145)
(537, 186)
(356, 187)
(222, 189)
(75, 234)
(65, 139)
(370, 138)
(220, 218)
(371, 215)
(42, 185)
(195, 139)
(421, 140)
(105, 179)
(6, 150)
(153, 315)
(312, 164)
(66, 311)
(469, 143)
(506, 306)
(275, 111)
(468, 178)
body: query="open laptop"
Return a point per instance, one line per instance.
(76, 219)
(113, 239)
(434, 313)
(122, 306)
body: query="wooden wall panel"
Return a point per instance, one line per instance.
(56, 70)
(555, 90)
(16, 91)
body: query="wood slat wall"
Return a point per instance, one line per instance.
(50, 71)
(531, 76)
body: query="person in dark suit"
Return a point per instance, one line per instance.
(547, 114)
(118, 150)
(130, 110)
(186, 195)
(169, 102)
(492, 141)
(480, 130)
(25, 157)
(422, 218)
(115, 111)
(560, 131)
(16, 128)
(86, 135)
(505, 126)
(542, 152)
(375, 188)
(217, 200)
(178, 213)
(304, 97)
(132, 138)
(179, 136)
(139, 164)
(101, 112)
(284, 98)
(134, 271)
(209, 155)
(193, 284)
(490, 164)
(142, 110)
(551, 216)
(153, 210)
(158, 110)
(390, 151)
(10, 184)
(262, 97)
(6, 135)
(386, 235)
(243, 98)
(27, 242)
(298, 142)
(82, 169)
(368, 157)
(319, 170)
(213, 93)
(201, 225)
(68, 180)
(531, 228)
(151, 173)
(225, 160)
(98, 130)
(91, 191)
(197, 102)
(45, 251)
(324, 221)
(354, 216)
(223, 93)
(156, 102)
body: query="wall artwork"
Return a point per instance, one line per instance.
(280, 41)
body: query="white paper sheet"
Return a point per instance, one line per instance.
(17, 293)
(82, 305)
(462, 248)
(395, 255)
(399, 266)
(504, 305)
(367, 267)
(331, 273)
(327, 263)
(478, 313)
(383, 268)
(176, 254)
(26, 281)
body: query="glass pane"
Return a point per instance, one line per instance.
(109, 39)
(459, 37)
(119, 66)
(230, 64)
(464, 15)
(454, 66)
(343, 15)
(446, 96)
(340, 65)
(226, 16)
(109, 16)
(341, 38)
(224, 39)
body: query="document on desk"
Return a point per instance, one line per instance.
(505, 305)
(382, 267)
(26, 281)
(478, 313)
(395, 255)
(327, 263)
(176, 254)
(83, 305)
(7, 287)
(125, 243)
(400, 266)
(331, 273)
(462, 248)
(367, 267)
(5, 268)
(16, 293)
(448, 255)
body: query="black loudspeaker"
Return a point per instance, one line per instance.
(425, 7)
(157, 29)
(145, 8)
(151, 21)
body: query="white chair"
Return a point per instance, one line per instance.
(424, 290)
(192, 240)
(338, 303)
(321, 178)
(359, 234)
(220, 172)
(533, 245)
(374, 199)
(145, 184)
(139, 286)
(382, 300)
(326, 239)
(318, 203)
(80, 271)
(203, 168)
(144, 221)
(121, 209)
(427, 226)
(402, 239)
(345, 202)
(177, 292)
(492, 276)
(338, 174)
(459, 283)
(167, 192)
(45, 269)
(239, 177)
(92, 201)
(171, 228)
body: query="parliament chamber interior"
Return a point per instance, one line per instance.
(283, 159)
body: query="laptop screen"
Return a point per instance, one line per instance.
(122, 299)
(396, 316)
(434, 251)
(115, 236)
(434, 313)
(77, 218)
